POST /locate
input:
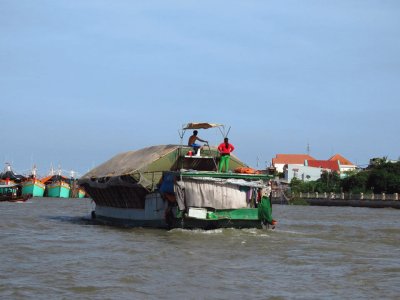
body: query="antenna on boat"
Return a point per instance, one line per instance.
(228, 131)
(51, 170)
(181, 132)
(34, 171)
(222, 130)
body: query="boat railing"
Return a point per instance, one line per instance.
(340, 196)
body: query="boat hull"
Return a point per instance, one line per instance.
(36, 189)
(157, 214)
(189, 223)
(81, 194)
(153, 215)
(57, 190)
(11, 194)
(14, 198)
(102, 215)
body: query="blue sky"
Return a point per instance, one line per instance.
(81, 81)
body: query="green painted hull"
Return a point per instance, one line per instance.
(81, 194)
(57, 191)
(33, 189)
(215, 224)
(227, 218)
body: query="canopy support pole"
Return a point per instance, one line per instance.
(213, 157)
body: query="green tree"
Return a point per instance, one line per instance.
(381, 176)
(385, 178)
(377, 161)
(329, 182)
(355, 183)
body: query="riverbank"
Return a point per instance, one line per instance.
(342, 199)
(339, 202)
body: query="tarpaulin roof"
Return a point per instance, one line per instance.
(132, 161)
(11, 175)
(53, 178)
(145, 166)
(201, 125)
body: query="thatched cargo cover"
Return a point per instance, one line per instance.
(129, 176)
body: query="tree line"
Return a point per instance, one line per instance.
(381, 176)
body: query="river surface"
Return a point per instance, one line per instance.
(49, 249)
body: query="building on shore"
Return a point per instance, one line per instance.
(307, 168)
(281, 160)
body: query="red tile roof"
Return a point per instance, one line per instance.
(291, 159)
(324, 164)
(343, 161)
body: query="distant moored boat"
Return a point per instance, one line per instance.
(33, 186)
(10, 186)
(57, 186)
(81, 193)
(58, 189)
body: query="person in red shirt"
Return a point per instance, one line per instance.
(225, 150)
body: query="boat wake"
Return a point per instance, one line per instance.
(196, 231)
(70, 219)
(289, 232)
(224, 231)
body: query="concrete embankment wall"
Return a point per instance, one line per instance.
(342, 199)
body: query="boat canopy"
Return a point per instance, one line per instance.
(8, 185)
(201, 125)
(145, 166)
(52, 178)
(12, 176)
(133, 161)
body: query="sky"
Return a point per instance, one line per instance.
(81, 81)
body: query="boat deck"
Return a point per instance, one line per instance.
(214, 174)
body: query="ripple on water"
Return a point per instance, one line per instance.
(52, 249)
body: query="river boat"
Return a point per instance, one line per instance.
(58, 189)
(9, 177)
(32, 185)
(10, 186)
(166, 186)
(81, 193)
(11, 192)
(57, 186)
(76, 190)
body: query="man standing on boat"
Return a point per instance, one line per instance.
(225, 150)
(192, 141)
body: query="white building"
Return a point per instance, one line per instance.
(304, 173)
